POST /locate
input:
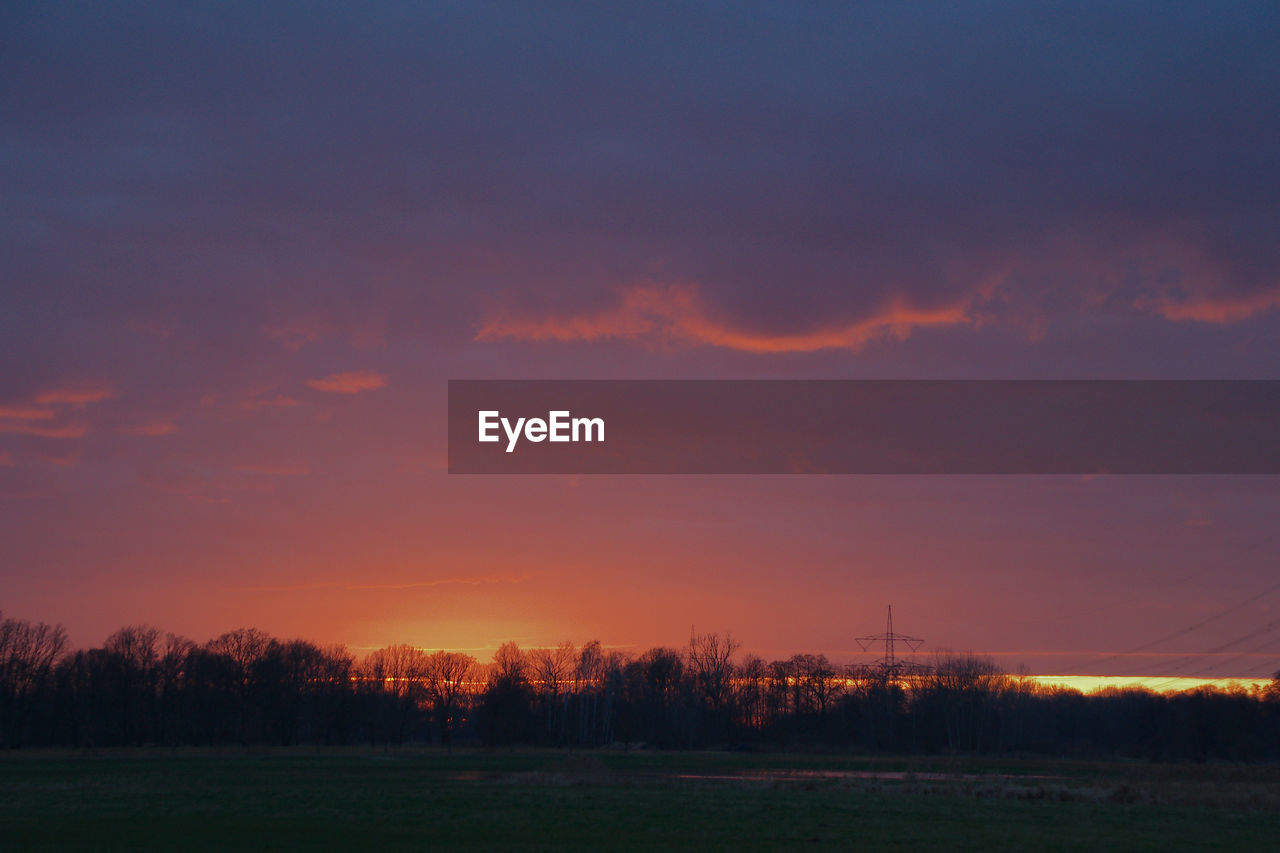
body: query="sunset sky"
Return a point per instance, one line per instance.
(242, 250)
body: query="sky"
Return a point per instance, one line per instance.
(243, 249)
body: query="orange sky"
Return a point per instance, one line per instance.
(241, 254)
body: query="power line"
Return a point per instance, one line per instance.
(1216, 664)
(1182, 632)
(1244, 638)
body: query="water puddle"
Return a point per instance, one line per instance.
(883, 775)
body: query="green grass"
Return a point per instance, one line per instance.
(544, 800)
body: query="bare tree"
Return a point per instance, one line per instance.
(448, 674)
(399, 671)
(553, 670)
(752, 677)
(822, 682)
(963, 687)
(138, 644)
(27, 655)
(510, 664)
(242, 649)
(132, 655)
(589, 675)
(711, 662)
(507, 703)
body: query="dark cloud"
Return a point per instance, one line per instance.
(207, 208)
(794, 162)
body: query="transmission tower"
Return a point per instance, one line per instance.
(889, 666)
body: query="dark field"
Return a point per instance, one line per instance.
(411, 799)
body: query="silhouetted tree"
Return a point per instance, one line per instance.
(397, 674)
(142, 688)
(659, 706)
(962, 691)
(710, 658)
(239, 652)
(506, 706)
(27, 655)
(171, 677)
(299, 680)
(448, 677)
(553, 671)
(133, 655)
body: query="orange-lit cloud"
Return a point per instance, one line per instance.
(6, 459)
(45, 430)
(75, 395)
(1219, 310)
(155, 428)
(26, 413)
(676, 314)
(40, 417)
(349, 382)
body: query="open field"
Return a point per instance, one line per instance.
(543, 800)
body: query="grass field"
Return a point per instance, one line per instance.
(425, 799)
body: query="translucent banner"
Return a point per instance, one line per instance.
(863, 427)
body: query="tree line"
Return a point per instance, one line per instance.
(143, 687)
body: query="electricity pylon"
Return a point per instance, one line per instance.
(889, 667)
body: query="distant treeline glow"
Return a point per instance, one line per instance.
(145, 688)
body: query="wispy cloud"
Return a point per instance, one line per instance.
(677, 314)
(155, 429)
(464, 581)
(75, 395)
(45, 430)
(26, 413)
(279, 401)
(43, 415)
(1216, 309)
(349, 382)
